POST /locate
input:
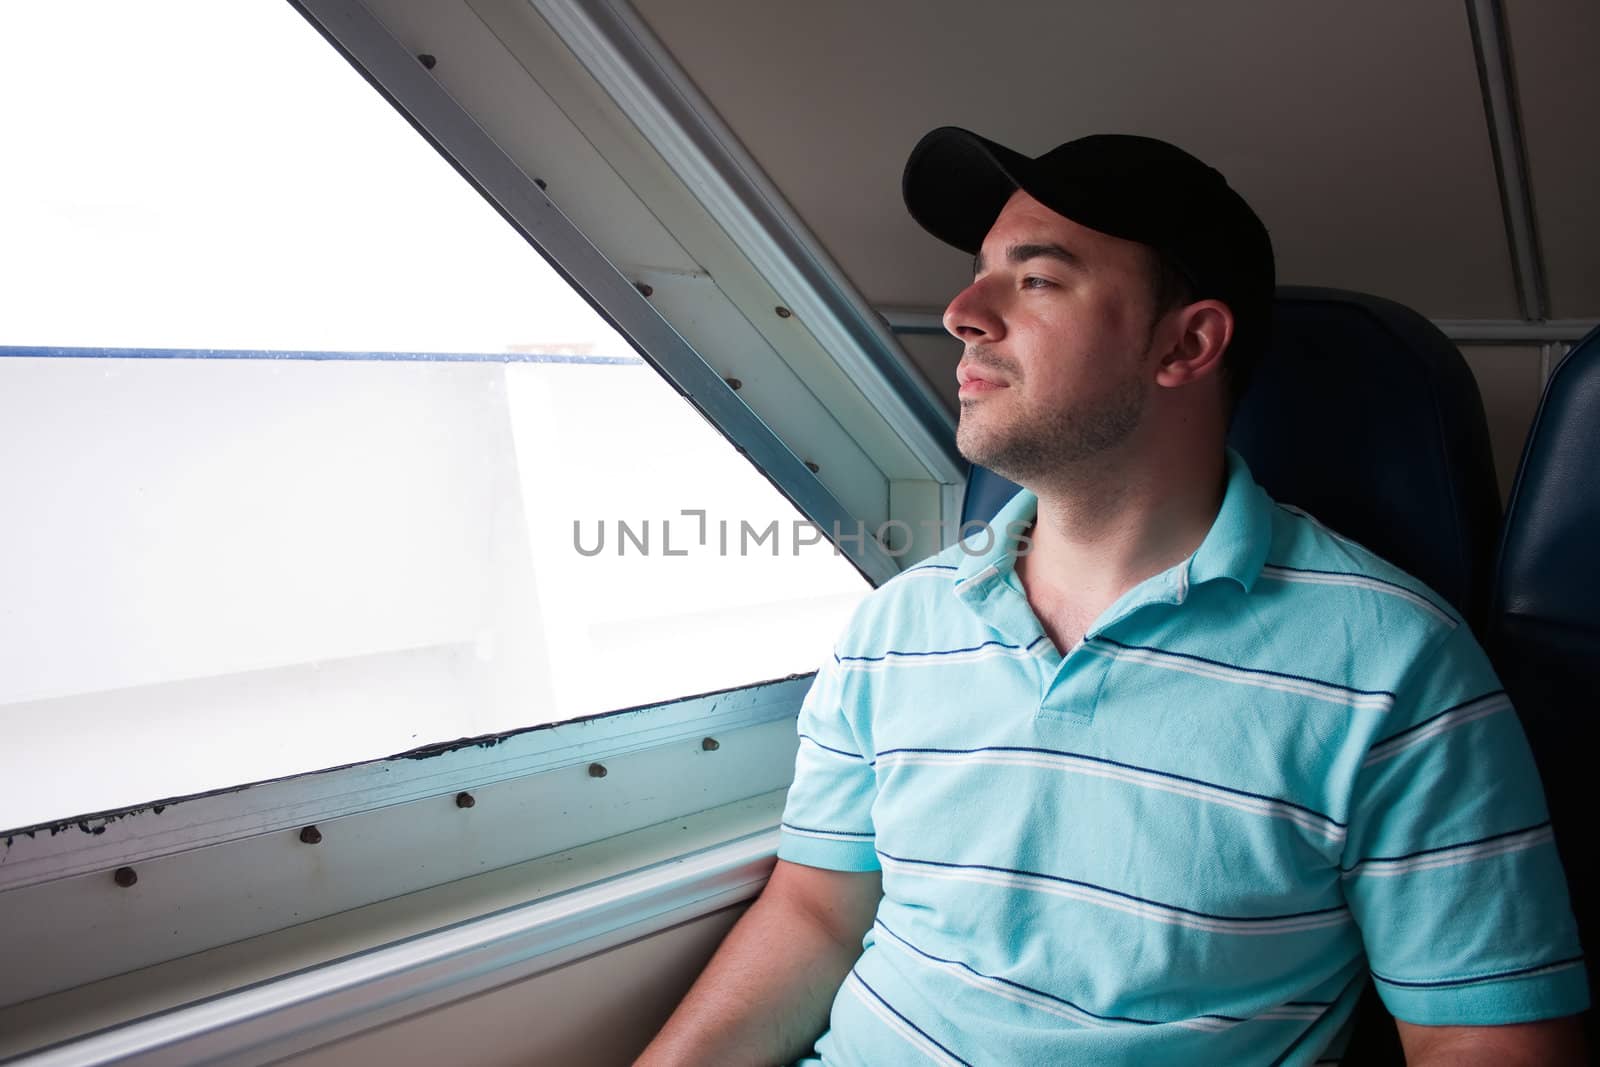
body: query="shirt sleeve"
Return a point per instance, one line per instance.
(1450, 867)
(827, 821)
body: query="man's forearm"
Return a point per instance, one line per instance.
(762, 1000)
(765, 995)
(1550, 1043)
(1470, 1055)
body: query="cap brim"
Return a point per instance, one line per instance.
(955, 184)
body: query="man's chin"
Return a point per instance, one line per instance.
(983, 451)
(971, 446)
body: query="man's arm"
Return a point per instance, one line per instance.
(1550, 1043)
(765, 995)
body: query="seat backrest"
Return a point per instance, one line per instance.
(1366, 416)
(1544, 618)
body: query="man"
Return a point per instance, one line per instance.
(1157, 771)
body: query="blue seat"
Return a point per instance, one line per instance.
(1544, 620)
(1366, 416)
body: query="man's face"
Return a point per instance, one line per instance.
(1057, 328)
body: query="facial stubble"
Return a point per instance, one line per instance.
(1034, 447)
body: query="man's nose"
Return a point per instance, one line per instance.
(971, 316)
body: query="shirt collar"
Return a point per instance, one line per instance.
(1235, 547)
(991, 553)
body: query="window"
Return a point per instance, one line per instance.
(311, 458)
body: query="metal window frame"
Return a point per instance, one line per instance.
(62, 867)
(395, 73)
(97, 842)
(622, 53)
(300, 1011)
(262, 874)
(83, 844)
(1503, 118)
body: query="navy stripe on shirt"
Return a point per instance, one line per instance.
(879, 998)
(830, 748)
(1125, 766)
(1029, 989)
(1425, 723)
(1445, 848)
(831, 833)
(938, 652)
(1247, 670)
(1364, 577)
(1451, 983)
(1114, 892)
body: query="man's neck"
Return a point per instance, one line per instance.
(1101, 532)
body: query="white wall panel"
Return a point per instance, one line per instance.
(295, 987)
(1357, 130)
(597, 1012)
(1553, 49)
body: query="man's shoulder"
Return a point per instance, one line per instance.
(934, 575)
(920, 596)
(948, 564)
(1334, 577)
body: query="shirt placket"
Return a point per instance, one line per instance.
(1073, 687)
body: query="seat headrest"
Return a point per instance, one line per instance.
(1365, 415)
(1544, 620)
(1548, 572)
(1368, 417)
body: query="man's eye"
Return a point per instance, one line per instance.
(1032, 282)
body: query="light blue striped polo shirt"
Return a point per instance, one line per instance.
(1263, 773)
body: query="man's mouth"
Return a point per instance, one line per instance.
(975, 382)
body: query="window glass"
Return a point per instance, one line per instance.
(309, 457)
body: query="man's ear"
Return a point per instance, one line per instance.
(1199, 335)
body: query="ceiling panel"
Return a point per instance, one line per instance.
(1356, 129)
(1553, 51)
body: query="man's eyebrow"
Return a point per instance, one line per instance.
(1018, 254)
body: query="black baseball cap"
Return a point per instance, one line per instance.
(1137, 188)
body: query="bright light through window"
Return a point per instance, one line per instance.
(310, 458)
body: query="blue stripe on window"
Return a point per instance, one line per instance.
(51, 352)
(1125, 766)
(1248, 670)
